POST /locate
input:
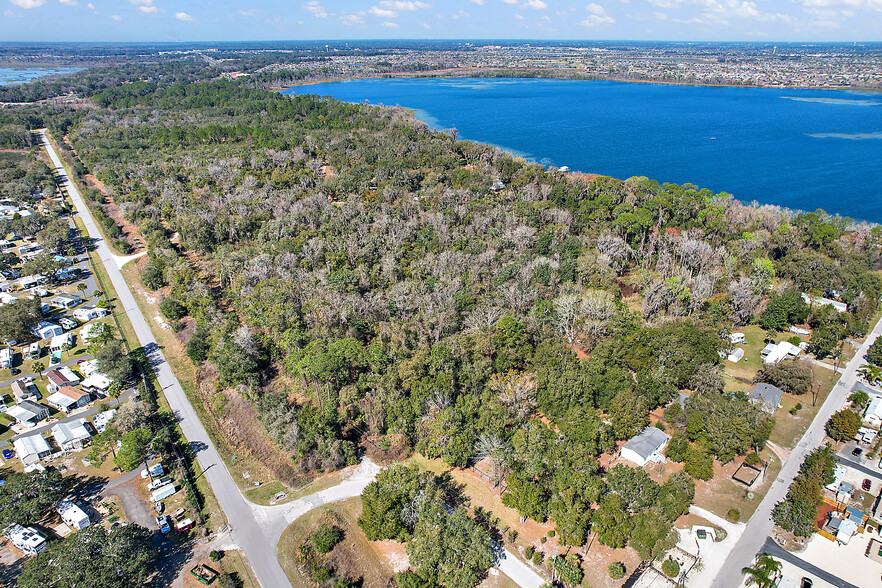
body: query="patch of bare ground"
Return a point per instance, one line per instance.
(596, 559)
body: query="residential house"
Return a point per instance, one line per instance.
(46, 330)
(737, 339)
(72, 435)
(31, 448)
(23, 390)
(88, 367)
(26, 539)
(775, 353)
(769, 395)
(31, 281)
(88, 313)
(102, 419)
(61, 377)
(28, 412)
(873, 412)
(839, 306)
(5, 358)
(646, 447)
(58, 342)
(96, 384)
(72, 515)
(68, 398)
(66, 301)
(68, 323)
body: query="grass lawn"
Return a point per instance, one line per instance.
(721, 493)
(790, 428)
(364, 558)
(263, 493)
(233, 563)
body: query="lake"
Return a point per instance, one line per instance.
(803, 149)
(20, 75)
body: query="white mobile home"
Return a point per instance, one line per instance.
(646, 447)
(26, 539)
(72, 515)
(31, 448)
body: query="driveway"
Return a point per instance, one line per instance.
(135, 507)
(760, 524)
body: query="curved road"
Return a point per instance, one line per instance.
(760, 524)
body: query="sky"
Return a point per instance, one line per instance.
(231, 20)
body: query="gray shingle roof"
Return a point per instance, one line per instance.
(647, 442)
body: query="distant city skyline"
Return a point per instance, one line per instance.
(228, 20)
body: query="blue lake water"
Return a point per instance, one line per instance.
(804, 149)
(20, 75)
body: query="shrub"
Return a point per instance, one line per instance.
(172, 309)
(538, 557)
(551, 533)
(843, 425)
(326, 538)
(752, 458)
(512, 536)
(570, 571)
(529, 551)
(794, 340)
(215, 555)
(671, 568)
(616, 570)
(734, 515)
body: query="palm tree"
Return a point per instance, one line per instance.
(764, 573)
(872, 373)
(38, 367)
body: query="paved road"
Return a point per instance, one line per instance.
(760, 524)
(846, 460)
(773, 548)
(247, 534)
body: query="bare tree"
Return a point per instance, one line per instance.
(566, 310)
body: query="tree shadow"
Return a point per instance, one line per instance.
(452, 493)
(172, 561)
(85, 488)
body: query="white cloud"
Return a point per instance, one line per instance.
(116, 17)
(874, 5)
(69, 2)
(510, 1)
(409, 6)
(537, 4)
(478, 2)
(390, 25)
(148, 9)
(382, 12)
(595, 20)
(595, 9)
(519, 17)
(316, 9)
(28, 4)
(145, 6)
(352, 19)
(460, 14)
(183, 16)
(248, 13)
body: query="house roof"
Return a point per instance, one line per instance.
(874, 409)
(72, 393)
(19, 388)
(96, 380)
(71, 431)
(32, 407)
(59, 399)
(31, 445)
(647, 442)
(768, 394)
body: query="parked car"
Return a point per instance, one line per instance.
(806, 583)
(866, 484)
(857, 452)
(162, 523)
(8, 454)
(159, 507)
(158, 483)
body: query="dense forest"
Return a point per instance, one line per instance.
(378, 286)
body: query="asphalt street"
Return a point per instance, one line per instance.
(760, 524)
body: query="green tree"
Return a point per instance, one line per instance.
(628, 414)
(153, 276)
(527, 496)
(326, 538)
(699, 463)
(859, 399)
(133, 449)
(652, 535)
(172, 309)
(765, 573)
(389, 507)
(611, 521)
(792, 376)
(843, 425)
(114, 363)
(94, 557)
(18, 318)
(634, 485)
(675, 496)
(874, 353)
(449, 548)
(26, 498)
(38, 367)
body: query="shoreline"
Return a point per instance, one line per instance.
(488, 73)
(573, 174)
